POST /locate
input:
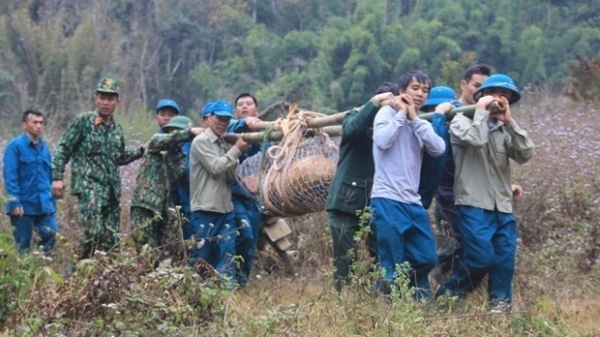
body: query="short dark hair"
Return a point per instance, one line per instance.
(31, 112)
(387, 87)
(246, 94)
(408, 76)
(479, 68)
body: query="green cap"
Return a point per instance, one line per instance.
(109, 85)
(179, 122)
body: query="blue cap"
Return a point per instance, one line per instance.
(500, 81)
(167, 103)
(218, 108)
(438, 95)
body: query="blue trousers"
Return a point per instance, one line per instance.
(444, 201)
(489, 243)
(247, 219)
(218, 232)
(45, 224)
(404, 235)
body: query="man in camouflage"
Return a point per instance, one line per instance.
(163, 164)
(95, 143)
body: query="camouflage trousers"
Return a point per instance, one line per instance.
(100, 218)
(161, 231)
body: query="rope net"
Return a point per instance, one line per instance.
(293, 177)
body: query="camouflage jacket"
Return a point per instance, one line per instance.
(162, 166)
(96, 149)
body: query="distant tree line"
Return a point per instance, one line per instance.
(327, 55)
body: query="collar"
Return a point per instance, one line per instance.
(496, 125)
(31, 140)
(212, 136)
(98, 120)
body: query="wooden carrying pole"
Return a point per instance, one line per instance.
(469, 110)
(314, 123)
(330, 124)
(258, 137)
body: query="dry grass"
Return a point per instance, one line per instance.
(557, 285)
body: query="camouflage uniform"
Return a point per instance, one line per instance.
(162, 166)
(96, 149)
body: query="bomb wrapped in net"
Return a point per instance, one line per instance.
(295, 175)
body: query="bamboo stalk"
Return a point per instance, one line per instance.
(338, 118)
(314, 123)
(257, 137)
(468, 110)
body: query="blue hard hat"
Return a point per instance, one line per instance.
(500, 81)
(438, 95)
(218, 108)
(167, 103)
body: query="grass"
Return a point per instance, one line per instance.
(557, 283)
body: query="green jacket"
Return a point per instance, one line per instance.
(96, 149)
(162, 165)
(481, 155)
(351, 186)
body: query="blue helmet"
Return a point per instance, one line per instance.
(218, 108)
(438, 95)
(500, 81)
(206, 109)
(167, 103)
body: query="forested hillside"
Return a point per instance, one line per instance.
(328, 55)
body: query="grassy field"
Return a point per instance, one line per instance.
(557, 283)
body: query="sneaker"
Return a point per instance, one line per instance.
(500, 308)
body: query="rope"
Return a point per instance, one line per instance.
(293, 127)
(263, 157)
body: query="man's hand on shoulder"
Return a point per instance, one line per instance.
(382, 99)
(444, 108)
(196, 131)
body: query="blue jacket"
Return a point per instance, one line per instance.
(239, 126)
(180, 192)
(238, 191)
(28, 176)
(431, 169)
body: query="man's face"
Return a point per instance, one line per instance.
(245, 107)
(468, 88)
(106, 103)
(217, 124)
(418, 91)
(164, 116)
(33, 126)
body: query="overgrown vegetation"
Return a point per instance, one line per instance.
(556, 286)
(327, 55)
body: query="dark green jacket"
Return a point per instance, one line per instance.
(351, 186)
(162, 165)
(96, 151)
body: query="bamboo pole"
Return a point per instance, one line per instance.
(257, 137)
(314, 123)
(329, 124)
(468, 110)
(338, 118)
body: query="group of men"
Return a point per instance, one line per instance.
(182, 165)
(395, 163)
(390, 160)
